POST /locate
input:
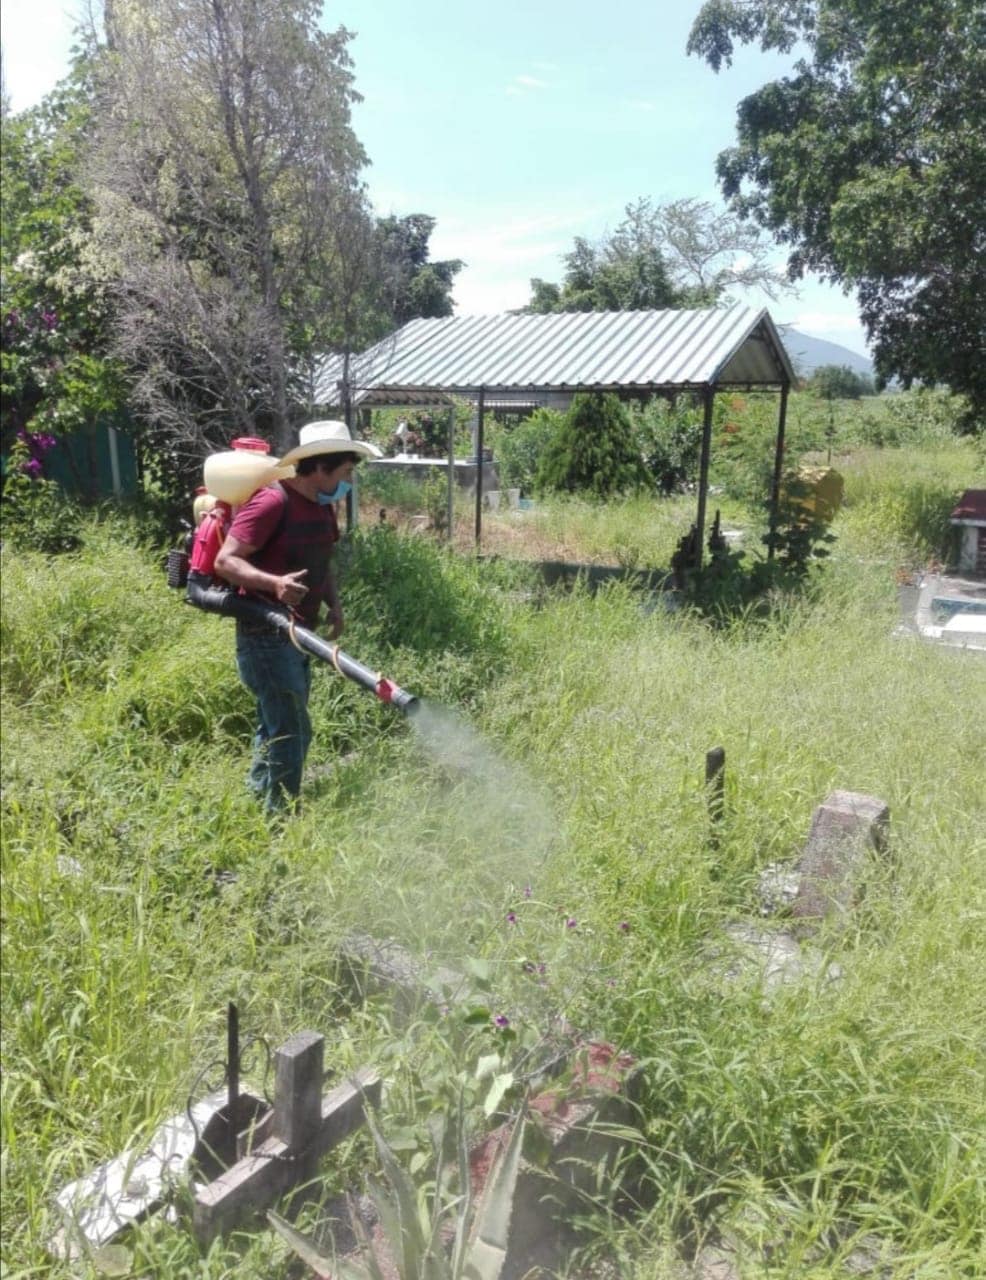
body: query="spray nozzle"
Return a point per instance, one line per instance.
(387, 691)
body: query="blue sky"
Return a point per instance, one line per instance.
(518, 125)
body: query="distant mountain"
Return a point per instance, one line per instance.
(808, 354)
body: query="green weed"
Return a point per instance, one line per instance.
(142, 890)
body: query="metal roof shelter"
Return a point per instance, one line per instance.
(645, 352)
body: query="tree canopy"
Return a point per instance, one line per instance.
(839, 382)
(415, 286)
(185, 232)
(57, 376)
(624, 272)
(869, 161)
(681, 254)
(225, 175)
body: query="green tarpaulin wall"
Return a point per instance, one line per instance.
(99, 463)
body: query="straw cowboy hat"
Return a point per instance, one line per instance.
(327, 437)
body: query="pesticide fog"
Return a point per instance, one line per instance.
(474, 830)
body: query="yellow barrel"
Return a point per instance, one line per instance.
(816, 490)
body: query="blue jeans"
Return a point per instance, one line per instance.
(279, 677)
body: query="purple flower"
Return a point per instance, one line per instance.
(511, 917)
(49, 319)
(32, 468)
(571, 923)
(527, 891)
(624, 926)
(501, 1020)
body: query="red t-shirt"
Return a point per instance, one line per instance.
(290, 533)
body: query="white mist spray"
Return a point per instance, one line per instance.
(475, 830)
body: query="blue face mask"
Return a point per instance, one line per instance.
(337, 494)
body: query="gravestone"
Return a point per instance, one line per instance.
(845, 829)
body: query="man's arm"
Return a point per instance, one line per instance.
(232, 563)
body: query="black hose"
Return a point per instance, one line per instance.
(203, 592)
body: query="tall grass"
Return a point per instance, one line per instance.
(556, 832)
(901, 500)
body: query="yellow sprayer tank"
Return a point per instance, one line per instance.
(235, 474)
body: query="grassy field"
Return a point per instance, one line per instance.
(562, 783)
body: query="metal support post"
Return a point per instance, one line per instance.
(703, 476)
(775, 487)
(479, 466)
(451, 471)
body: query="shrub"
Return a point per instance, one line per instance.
(434, 499)
(594, 450)
(388, 488)
(924, 416)
(429, 429)
(36, 514)
(670, 441)
(519, 449)
(406, 592)
(743, 449)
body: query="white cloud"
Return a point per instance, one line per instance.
(641, 104)
(833, 321)
(526, 84)
(504, 236)
(502, 251)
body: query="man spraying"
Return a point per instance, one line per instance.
(279, 547)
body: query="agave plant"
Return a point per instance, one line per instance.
(415, 1235)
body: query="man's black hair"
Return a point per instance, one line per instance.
(307, 465)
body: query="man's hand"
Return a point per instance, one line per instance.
(290, 590)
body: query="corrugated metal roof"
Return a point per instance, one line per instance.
(738, 346)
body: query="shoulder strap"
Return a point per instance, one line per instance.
(284, 511)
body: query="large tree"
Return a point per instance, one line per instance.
(625, 271)
(710, 252)
(681, 254)
(413, 285)
(869, 161)
(230, 218)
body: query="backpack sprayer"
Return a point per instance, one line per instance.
(232, 477)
